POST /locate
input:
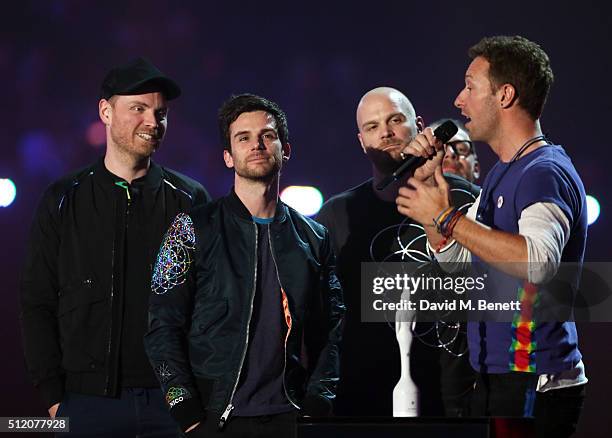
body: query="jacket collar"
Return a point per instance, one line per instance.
(238, 208)
(152, 179)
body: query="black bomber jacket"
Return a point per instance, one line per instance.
(72, 286)
(202, 297)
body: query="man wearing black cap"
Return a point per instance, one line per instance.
(86, 281)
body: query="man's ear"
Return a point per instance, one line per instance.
(420, 124)
(104, 111)
(507, 95)
(227, 157)
(286, 151)
(476, 170)
(361, 142)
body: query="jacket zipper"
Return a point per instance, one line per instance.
(123, 185)
(230, 407)
(110, 326)
(289, 311)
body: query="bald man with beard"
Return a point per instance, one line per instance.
(365, 226)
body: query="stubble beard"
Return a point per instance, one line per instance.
(488, 124)
(133, 147)
(260, 173)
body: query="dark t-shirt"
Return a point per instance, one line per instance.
(260, 390)
(140, 250)
(364, 228)
(142, 225)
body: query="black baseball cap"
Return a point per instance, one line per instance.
(138, 77)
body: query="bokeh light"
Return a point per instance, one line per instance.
(305, 199)
(96, 134)
(8, 191)
(593, 209)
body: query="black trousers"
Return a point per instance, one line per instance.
(556, 412)
(138, 412)
(264, 426)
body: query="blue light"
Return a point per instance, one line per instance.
(41, 155)
(305, 199)
(593, 209)
(7, 192)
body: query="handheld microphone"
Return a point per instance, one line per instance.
(444, 133)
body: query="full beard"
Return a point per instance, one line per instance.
(385, 162)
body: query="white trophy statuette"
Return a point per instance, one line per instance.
(405, 393)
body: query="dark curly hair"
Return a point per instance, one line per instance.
(522, 63)
(246, 103)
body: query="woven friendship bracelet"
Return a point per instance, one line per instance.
(446, 227)
(442, 217)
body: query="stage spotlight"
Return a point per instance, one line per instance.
(593, 209)
(7, 192)
(305, 199)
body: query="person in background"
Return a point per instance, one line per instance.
(460, 157)
(365, 226)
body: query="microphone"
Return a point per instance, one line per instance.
(444, 133)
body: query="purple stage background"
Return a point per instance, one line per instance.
(315, 62)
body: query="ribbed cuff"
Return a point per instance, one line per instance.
(51, 391)
(188, 413)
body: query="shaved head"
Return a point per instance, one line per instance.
(388, 93)
(387, 122)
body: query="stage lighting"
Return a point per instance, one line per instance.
(593, 209)
(7, 192)
(305, 199)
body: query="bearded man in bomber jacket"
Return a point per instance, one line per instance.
(246, 311)
(86, 282)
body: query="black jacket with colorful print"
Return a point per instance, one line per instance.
(201, 304)
(75, 284)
